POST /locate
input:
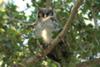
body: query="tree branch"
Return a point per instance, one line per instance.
(65, 28)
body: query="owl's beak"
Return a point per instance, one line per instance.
(45, 16)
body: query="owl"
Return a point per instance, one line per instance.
(46, 25)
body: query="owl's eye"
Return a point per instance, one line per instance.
(50, 13)
(47, 14)
(40, 14)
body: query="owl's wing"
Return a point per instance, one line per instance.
(56, 25)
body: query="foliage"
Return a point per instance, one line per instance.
(83, 38)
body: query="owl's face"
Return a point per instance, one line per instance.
(45, 12)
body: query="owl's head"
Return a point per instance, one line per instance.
(45, 12)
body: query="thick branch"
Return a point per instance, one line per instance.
(65, 28)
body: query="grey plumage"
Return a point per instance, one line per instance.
(46, 25)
